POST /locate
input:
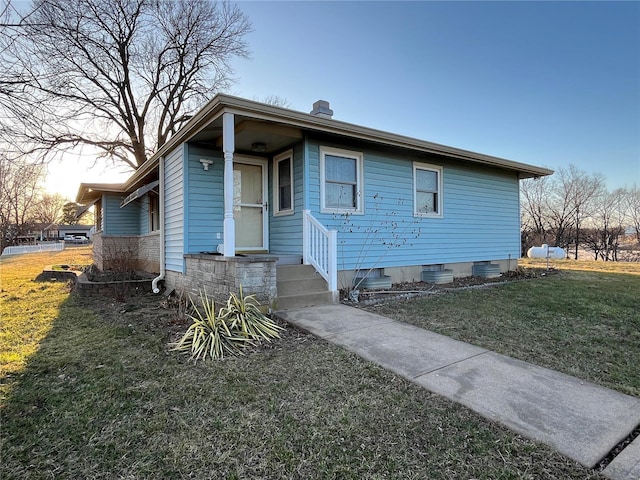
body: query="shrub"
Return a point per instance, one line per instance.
(245, 315)
(227, 332)
(180, 301)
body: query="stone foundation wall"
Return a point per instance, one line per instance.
(135, 252)
(149, 252)
(96, 239)
(219, 276)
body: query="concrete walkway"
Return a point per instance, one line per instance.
(579, 419)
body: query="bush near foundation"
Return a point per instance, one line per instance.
(228, 331)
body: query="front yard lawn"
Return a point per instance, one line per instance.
(97, 394)
(583, 320)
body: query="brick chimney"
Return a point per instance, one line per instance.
(321, 109)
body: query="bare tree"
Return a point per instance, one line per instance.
(49, 208)
(534, 193)
(571, 201)
(586, 192)
(19, 193)
(607, 225)
(560, 208)
(633, 210)
(120, 76)
(276, 101)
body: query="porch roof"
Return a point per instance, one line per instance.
(91, 192)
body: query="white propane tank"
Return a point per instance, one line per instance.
(545, 251)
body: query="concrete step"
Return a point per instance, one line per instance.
(288, 259)
(291, 272)
(300, 286)
(290, 302)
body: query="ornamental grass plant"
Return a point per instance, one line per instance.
(214, 334)
(244, 312)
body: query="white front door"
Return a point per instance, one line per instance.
(250, 204)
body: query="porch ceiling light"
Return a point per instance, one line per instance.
(259, 147)
(205, 163)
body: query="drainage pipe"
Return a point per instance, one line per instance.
(154, 283)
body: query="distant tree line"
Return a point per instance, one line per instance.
(574, 210)
(24, 205)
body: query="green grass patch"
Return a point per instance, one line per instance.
(578, 320)
(101, 396)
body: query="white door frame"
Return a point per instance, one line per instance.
(262, 162)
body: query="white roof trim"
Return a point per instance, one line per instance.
(225, 103)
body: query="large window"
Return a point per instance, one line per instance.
(341, 181)
(427, 190)
(283, 184)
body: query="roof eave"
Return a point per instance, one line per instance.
(88, 191)
(222, 103)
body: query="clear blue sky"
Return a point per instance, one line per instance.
(546, 83)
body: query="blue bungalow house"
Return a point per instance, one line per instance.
(296, 206)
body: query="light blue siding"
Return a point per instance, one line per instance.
(174, 211)
(480, 210)
(285, 231)
(480, 214)
(205, 201)
(119, 221)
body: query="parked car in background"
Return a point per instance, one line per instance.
(78, 239)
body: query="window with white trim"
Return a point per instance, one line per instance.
(427, 190)
(283, 184)
(341, 181)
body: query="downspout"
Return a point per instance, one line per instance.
(154, 283)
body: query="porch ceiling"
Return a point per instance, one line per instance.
(251, 136)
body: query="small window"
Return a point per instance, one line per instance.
(341, 181)
(427, 190)
(283, 184)
(154, 212)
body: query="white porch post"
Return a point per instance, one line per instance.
(228, 147)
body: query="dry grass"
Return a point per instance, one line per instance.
(632, 268)
(29, 309)
(583, 320)
(99, 395)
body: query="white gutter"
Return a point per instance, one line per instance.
(154, 283)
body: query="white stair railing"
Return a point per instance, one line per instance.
(320, 249)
